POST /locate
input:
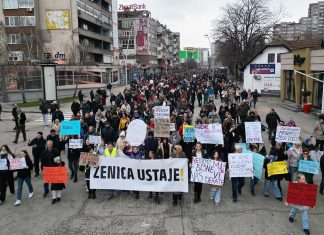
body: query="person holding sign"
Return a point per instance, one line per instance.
(6, 176)
(198, 153)
(304, 209)
(305, 157)
(237, 182)
(24, 175)
(215, 191)
(57, 188)
(293, 156)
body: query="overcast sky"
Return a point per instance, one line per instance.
(193, 18)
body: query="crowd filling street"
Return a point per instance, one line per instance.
(198, 99)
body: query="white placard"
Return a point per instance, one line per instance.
(94, 139)
(240, 165)
(286, 134)
(253, 132)
(169, 175)
(161, 112)
(17, 164)
(172, 127)
(136, 132)
(209, 133)
(75, 143)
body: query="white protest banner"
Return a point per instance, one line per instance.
(240, 165)
(169, 175)
(161, 111)
(209, 133)
(253, 132)
(136, 132)
(94, 139)
(287, 134)
(172, 127)
(17, 164)
(3, 165)
(208, 171)
(162, 127)
(76, 143)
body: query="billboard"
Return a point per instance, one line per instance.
(141, 32)
(58, 19)
(262, 69)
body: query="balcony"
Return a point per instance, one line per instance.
(98, 50)
(159, 48)
(93, 20)
(94, 35)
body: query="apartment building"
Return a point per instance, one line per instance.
(75, 34)
(145, 44)
(308, 27)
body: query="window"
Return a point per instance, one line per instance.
(26, 3)
(27, 20)
(12, 21)
(15, 56)
(14, 39)
(278, 58)
(10, 4)
(271, 58)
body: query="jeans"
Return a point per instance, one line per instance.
(253, 182)
(292, 171)
(254, 102)
(45, 119)
(20, 186)
(73, 165)
(274, 184)
(215, 193)
(111, 192)
(36, 163)
(304, 212)
(237, 184)
(46, 187)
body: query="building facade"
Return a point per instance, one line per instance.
(308, 27)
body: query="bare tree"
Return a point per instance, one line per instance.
(244, 29)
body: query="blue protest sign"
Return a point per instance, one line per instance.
(70, 128)
(3, 164)
(308, 167)
(188, 133)
(244, 145)
(258, 161)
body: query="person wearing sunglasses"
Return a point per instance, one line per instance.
(306, 157)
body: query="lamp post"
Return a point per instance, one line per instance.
(126, 56)
(212, 56)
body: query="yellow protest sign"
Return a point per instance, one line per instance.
(277, 168)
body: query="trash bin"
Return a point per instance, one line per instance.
(307, 108)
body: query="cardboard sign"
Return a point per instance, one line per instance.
(287, 134)
(209, 133)
(253, 132)
(70, 127)
(309, 167)
(55, 175)
(161, 111)
(76, 143)
(301, 194)
(208, 171)
(277, 168)
(162, 127)
(17, 164)
(136, 132)
(240, 165)
(94, 139)
(88, 159)
(172, 127)
(188, 133)
(3, 165)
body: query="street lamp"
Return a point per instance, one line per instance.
(126, 57)
(212, 56)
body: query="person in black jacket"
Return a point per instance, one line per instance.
(24, 175)
(272, 120)
(48, 161)
(20, 120)
(322, 169)
(75, 107)
(44, 110)
(108, 134)
(6, 176)
(198, 153)
(55, 140)
(73, 156)
(150, 144)
(38, 147)
(14, 114)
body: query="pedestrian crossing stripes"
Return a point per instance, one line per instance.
(67, 116)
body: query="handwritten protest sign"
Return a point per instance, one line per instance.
(189, 133)
(240, 165)
(258, 161)
(17, 164)
(161, 112)
(208, 171)
(253, 132)
(3, 165)
(277, 168)
(94, 139)
(162, 127)
(70, 127)
(75, 143)
(88, 159)
(308, 167)
(136, 132)
(209, 133)
(172, 127)
(55, 175)
(302, 194)
(287, 134)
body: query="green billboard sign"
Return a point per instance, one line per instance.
(189, 55)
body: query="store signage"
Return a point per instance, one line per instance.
(262, 68)
(298, 60)
(123, 7)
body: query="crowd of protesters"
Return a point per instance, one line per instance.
(108, 115)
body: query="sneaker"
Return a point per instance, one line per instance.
(31, 195)
(291, 220)
(17, 203)
(45, 194)
(53, 201)
(306, 231)
(266, 195)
